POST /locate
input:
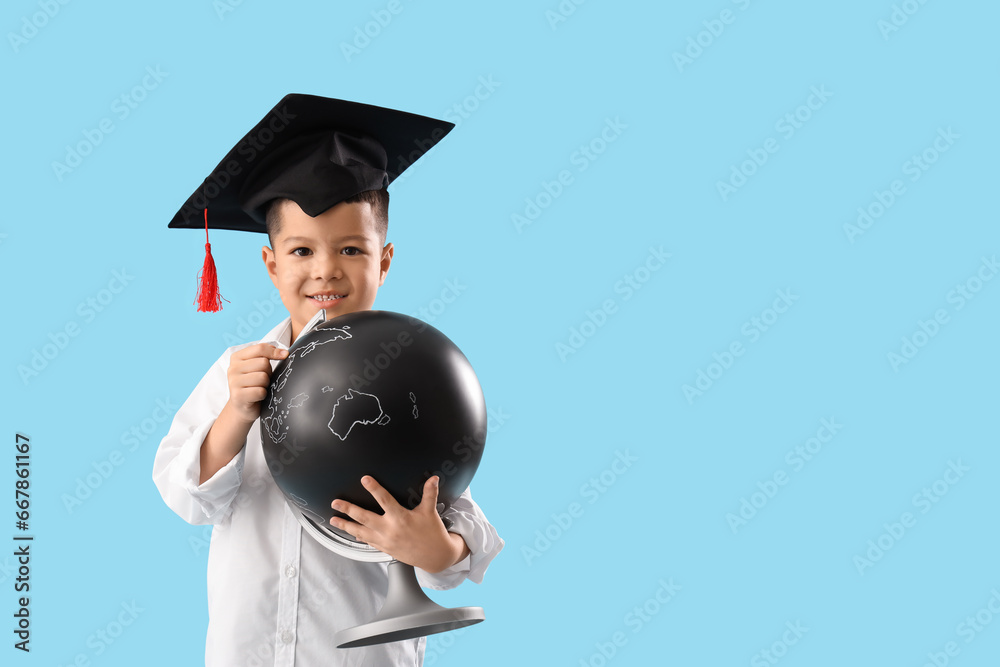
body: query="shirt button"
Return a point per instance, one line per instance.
(290, 571)
(287, 637)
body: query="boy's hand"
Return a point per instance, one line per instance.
(417, 537)
(249, 376)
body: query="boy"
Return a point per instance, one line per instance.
(312, 174)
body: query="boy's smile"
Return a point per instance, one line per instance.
(334, 262)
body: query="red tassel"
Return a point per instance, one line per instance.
(208, 299)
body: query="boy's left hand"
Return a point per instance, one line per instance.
(416, 537)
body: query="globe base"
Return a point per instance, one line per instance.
(406, 614)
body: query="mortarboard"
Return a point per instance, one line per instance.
(316, 151)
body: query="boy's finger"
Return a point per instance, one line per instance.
(378, 492)
(359, 514)
(277, 352)
(353, 529)
(266, 350)
(430, 497)
(254, 379)
(252, 365)
(250, 351)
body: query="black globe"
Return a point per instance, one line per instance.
(372, 393)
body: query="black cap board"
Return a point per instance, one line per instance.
(316, 151)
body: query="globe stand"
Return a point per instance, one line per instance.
(407, 613)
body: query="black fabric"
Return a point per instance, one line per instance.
(316, 151)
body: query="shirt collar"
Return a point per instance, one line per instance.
(281, 335)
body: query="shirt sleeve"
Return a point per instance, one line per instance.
(484, 543)
(177, 466)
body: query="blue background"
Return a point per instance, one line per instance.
(574, 395)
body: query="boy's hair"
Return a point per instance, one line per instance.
(378, 199)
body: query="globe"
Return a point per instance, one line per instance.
(381, 394)
(371, 393)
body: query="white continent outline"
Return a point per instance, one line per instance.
(381, 420)
(274, 420)
(340, 335)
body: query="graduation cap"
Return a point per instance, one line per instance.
(316, 151)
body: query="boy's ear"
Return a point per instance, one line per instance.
(384, 264)
(268, 256)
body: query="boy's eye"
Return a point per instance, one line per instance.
(301, 252)
(351, 250)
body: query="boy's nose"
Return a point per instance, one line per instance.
(328, 267)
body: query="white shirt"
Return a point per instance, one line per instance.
(276, 596)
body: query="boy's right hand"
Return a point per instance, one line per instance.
(249, 376)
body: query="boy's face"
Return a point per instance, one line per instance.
(334, 262)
